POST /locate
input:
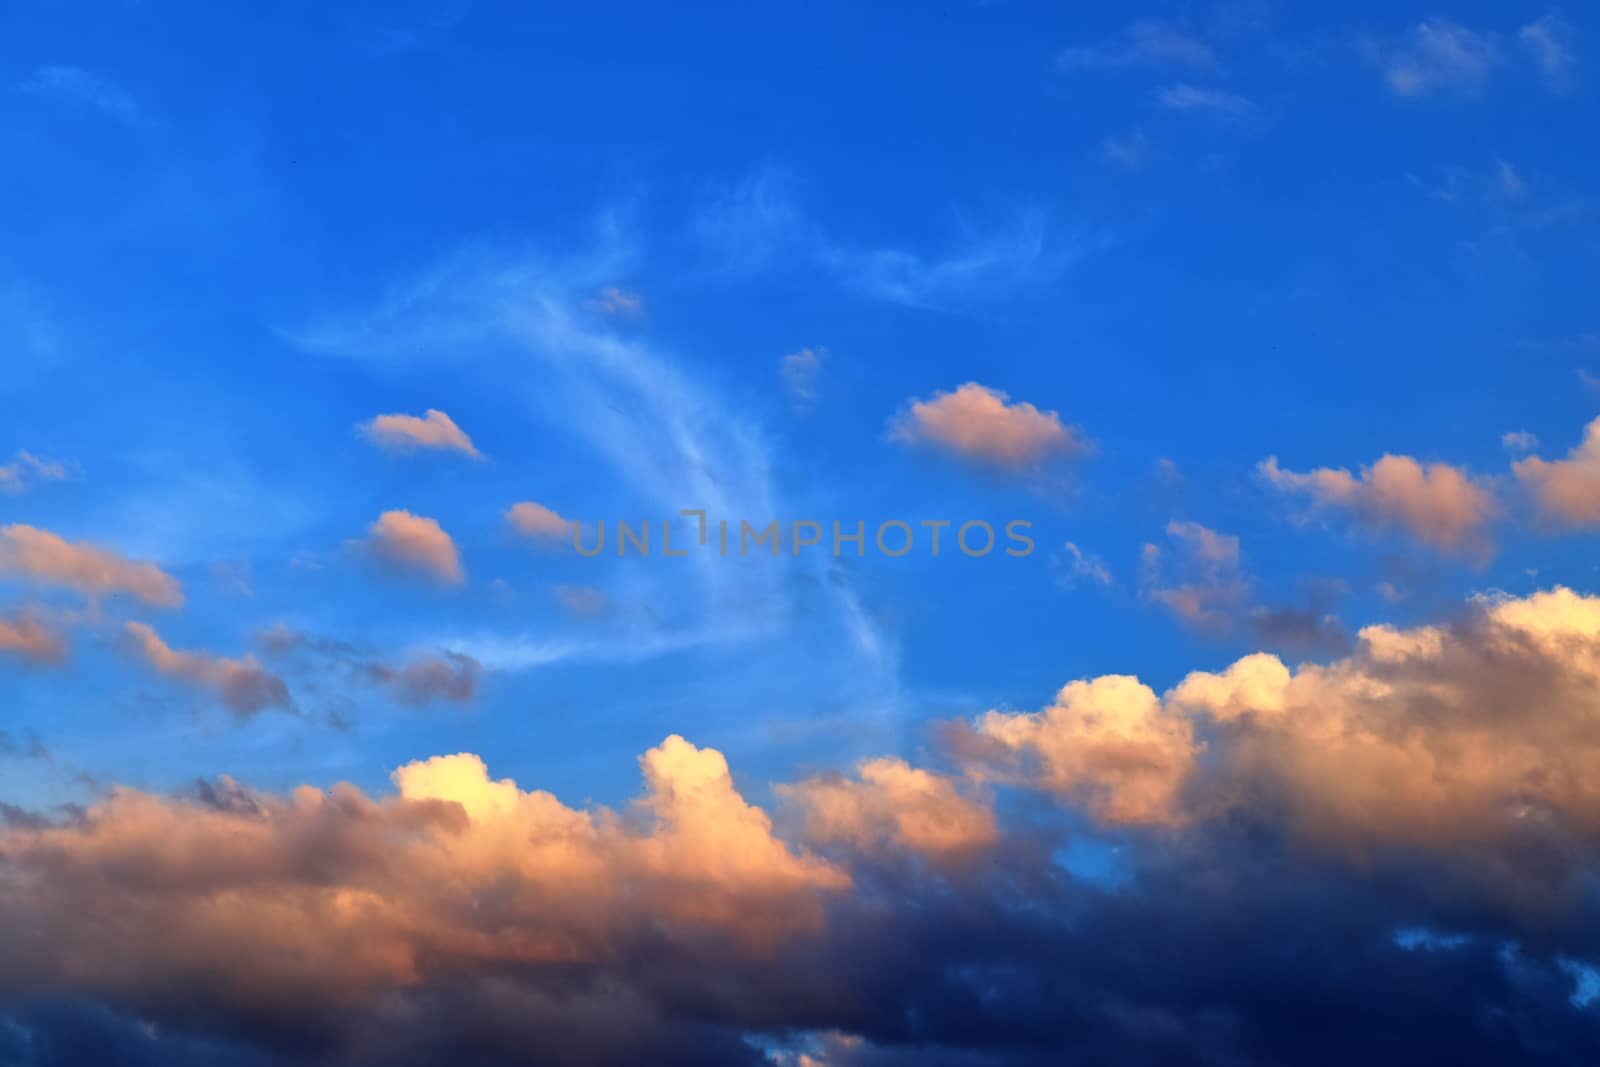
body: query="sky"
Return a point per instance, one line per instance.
(1262, 339)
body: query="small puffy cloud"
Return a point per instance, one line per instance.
(537, 521)
(43, 557)
(416, 543)
(1438, 504)
(800, 371)
(35, 642)
(448, 676)
(1203, 587)
(27, 470)
(1440, 54)
(1567, 491)
(1519, 441)
(408, 433)
(892, 803)
(1131, 151)
(980, 423)
(1547, 41)
(1144, 43)
(1218, 102)
(242, 685)
(619, 302)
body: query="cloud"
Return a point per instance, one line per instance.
(44, 557)
(77, 86)
(1105, 744)
(979, 423)
(1438, 55)
(1074, 566)
(1218, 102)
(1131, 151)
(242, 685)
(288, 901)
(1206, 590)
(31, 639)
(448, 676)
(1407, 832)
(582, 600)
(1144, 43)
(890, 802)
(1440, 505)
(419, 679)
(408, 433)
(416, 543)
(1519, 441)
(535, 520)
(620, 303)
(1548, 44)
(27, 470)
(1567, 491)
(800, 371)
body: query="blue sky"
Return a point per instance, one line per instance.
(744, 258)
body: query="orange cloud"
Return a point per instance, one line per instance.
(241, 684)
(1106, 743)
(536, 520)
(318, 896)
(42, 556)
(891, 802)
(979, 423)
(1567, 490)
(1439, 505)
(406, 433)
(35, 642)
(416, 543)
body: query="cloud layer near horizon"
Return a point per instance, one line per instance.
(1452, 758)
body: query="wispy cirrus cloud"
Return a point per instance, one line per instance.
(1143, 43)
(82, 88)
(26, 470)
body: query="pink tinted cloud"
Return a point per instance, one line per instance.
(49, 559)
(408, 433)
(981, 424)
(417, 544)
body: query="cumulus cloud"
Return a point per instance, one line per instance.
(979, 423)
(1440, 54)
(535, 520)
(27, 637)
(417, 679)
(43, 557)
(281, 903)
(890, 802)
(409, 433)
(1567, 491)
(417, 544)
(242, 685)
(1438, 504)
(1519, 441)
(27, 470)
(1278, 829)
(1106, 744)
